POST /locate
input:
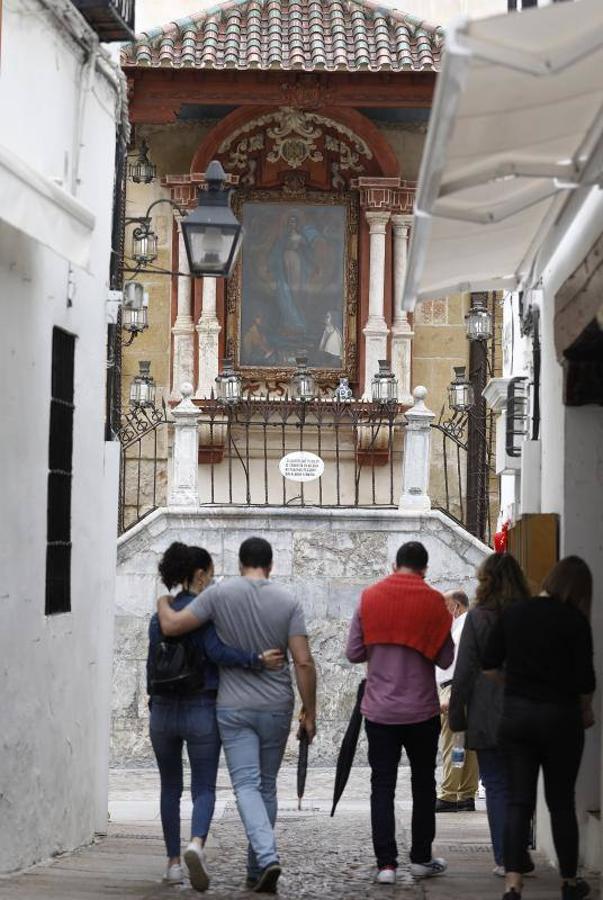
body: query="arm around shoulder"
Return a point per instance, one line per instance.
(174, 623)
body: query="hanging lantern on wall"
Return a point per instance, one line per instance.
(478, 321)
(134, 316)
(142, 389)
(303, 386)
(144, 242)
(212, 233)
(143, 171)
(228, 383)
(384, 386)
(461, 396)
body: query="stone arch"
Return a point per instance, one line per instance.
(329, 147)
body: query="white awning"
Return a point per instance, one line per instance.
(41, 209)
(515, 138)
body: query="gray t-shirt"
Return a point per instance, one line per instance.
(253, 614)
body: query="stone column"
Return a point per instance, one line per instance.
(208, 330)
(183, 329)
(417, 455)
(375, 331)
(183, 477)
(401, 332)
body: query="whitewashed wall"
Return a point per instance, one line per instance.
(325, 557)
(55, 670)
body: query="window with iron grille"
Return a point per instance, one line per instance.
(60, 455)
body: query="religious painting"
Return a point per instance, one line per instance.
(293, 283)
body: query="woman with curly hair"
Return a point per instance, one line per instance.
(184, 711)
(545, 644)
(476, 701)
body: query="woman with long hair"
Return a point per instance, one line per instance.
(476, 701)
(182, 683)
(545, 644)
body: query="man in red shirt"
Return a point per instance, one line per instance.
(401, 629)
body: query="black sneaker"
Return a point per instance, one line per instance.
(250, 883)
(466, 805)
(512, 895)
(268, 880)
(575, 891)
(446, 805)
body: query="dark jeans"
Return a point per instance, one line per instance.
(550, 735)
(420, 740)
(493, 772)
(175, 722)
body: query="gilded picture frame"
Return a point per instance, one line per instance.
(294, 238)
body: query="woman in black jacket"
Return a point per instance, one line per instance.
(476, 701)
(545, 644)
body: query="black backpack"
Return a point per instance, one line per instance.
(176, 667)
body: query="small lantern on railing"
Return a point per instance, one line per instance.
(212, 233)
(134, 311)
(143, 171)
(461, 396)
(303, 386)
(384, 385)
(228, 384)
(478, 321)
(144, 242)
(142, 389)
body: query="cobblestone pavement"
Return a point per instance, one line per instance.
(323, 858)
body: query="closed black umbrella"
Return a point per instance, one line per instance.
(302, 764)
(348, 748)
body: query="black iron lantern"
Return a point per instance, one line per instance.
(478, 321)
(228, 383)
(384, 387)
(303, 386)
(142, 389)
(143, 171)
(212, 233)
(144, 242)
(134, 311)
(461, 396)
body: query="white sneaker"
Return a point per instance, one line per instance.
(174, 874)
(481, 791)
(197, 867)
(436, 866)
(386, 876)
(499, 871)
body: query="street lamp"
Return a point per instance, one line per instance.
(134, 311)
(144, 242)
(143, 171)
(212, 233)
(142, 389)
(461, 396)
(228, 383)
(478, 321)
(303, 386)
(384, 385)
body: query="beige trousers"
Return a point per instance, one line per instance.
(457, 784)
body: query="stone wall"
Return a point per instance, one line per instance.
(325, 557)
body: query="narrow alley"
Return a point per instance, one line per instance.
(324, 858)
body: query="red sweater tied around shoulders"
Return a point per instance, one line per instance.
(403, 609)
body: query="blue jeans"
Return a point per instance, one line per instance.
(254, 743)
(493, 772)
(192, 721)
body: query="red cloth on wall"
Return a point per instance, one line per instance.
(404, 609)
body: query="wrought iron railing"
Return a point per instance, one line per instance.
(360, 443)
(143, 464)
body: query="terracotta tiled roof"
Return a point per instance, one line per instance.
(330, 35)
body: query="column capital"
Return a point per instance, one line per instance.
(377, 220)
(401, 224)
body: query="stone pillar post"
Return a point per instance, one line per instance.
(375, 331)
(417, 455)
(183, 477)
(208, 330)
(183, 329)
(401, 332)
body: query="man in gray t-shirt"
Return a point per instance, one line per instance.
(254, 709)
